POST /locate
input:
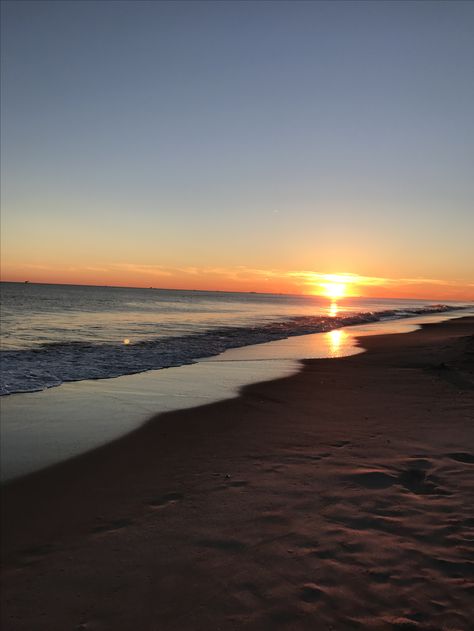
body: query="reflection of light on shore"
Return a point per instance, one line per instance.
(333, 310)
(336, 340)
(126, 341)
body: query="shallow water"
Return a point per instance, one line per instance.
(53, 334)
(43, 428)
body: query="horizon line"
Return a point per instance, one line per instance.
(225, 291)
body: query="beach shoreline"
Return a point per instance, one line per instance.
(43, 428)
(339, 497)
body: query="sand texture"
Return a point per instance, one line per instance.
(339, 498)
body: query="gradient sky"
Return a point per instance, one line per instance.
(239, 145)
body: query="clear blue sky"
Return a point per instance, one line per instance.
(327, 136)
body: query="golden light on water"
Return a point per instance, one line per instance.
(333, 310)
(126, 341)
(336, 339)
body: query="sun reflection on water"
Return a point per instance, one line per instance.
(337, 339)
(333, 309)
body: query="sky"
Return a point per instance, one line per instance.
(254, 146)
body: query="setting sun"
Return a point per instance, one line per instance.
(334, 290)
(335, 286)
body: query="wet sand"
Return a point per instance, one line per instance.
(338, 498)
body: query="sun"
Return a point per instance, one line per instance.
(334, 290)
(333, 286)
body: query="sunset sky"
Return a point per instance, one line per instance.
(254, 146)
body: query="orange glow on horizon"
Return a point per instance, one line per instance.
(334, 290)
(334, 287)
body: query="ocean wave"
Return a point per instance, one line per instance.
(51, 364)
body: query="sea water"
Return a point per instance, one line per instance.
(39, 429)
(53, 334)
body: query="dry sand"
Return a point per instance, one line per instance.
(339, 498)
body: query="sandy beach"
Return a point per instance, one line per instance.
(338, 498)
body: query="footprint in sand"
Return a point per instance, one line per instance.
(417, 479)
(165, 500)
(414, 479)
(311, 593)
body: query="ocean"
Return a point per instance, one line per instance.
(53, 334)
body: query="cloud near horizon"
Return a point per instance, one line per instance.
(243, 278)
